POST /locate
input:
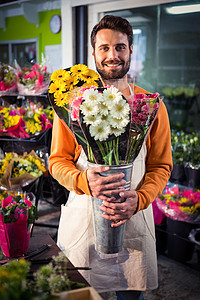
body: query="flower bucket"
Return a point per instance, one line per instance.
(179, 246)
(109, 239)
(193, 177)
(178, 174)
(15, 237)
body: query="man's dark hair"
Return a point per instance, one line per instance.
(114, 23)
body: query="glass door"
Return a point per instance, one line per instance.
(166, 54)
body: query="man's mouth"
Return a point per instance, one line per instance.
(112, 65)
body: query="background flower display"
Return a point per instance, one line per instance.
(46, 283)
(186, 148)
(180, 203)
(25, 121)
(17, 212)
(186, 158)
(20, 170)
(8, 82)
(181, 96)
(32, 80)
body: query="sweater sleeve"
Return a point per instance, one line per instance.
(64, 155)
(158, 160)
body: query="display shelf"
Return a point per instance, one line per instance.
(45, 187)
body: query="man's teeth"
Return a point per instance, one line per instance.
(112, 65)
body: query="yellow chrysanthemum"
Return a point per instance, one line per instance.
(60, 74)
(37, 118)
(39, 165)
(33, 127)
(184, 200)
(70, 84)
(59, 99)
(197, 205)
(90, 84)
(91, 77)
(57, 85)
(79, 70)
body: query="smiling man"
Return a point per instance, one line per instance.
(134, 269)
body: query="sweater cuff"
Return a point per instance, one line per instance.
(82, 186)
(143, 201)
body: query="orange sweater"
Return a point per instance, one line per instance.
(65, 152)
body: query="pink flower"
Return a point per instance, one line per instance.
(28, 202)
(5, 202)
(145, 108)
(31, 75)
(22, 111)
(40, 79)
(35, 67)
(139, 96)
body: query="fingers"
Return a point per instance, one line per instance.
(103, 187)
(116, 220)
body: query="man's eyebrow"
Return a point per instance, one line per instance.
(118, 44)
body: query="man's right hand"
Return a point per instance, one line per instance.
(104, 187)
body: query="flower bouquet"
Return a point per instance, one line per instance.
(110, 129)
(26, 121)
(20, 170)
(17, 213)
(8, 83)
(186, 158)
(35, 118)
(180, 204)
(12, 123)
(32, 81)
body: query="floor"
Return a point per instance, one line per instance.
(177, 281)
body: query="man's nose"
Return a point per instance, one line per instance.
(112, 54)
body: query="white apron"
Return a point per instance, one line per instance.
(134, 268)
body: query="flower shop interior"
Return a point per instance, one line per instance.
(38, 37)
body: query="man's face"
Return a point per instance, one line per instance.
(112, 54)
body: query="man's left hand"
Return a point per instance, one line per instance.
(120, 212)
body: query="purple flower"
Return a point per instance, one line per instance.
(12, 113)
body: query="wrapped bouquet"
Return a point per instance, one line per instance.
(17, 213)
(20, 170)
(8, 83)
(25, 121)
(32, 81)
(180, 204)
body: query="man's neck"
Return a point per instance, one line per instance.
(121, 84)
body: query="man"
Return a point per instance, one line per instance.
(134, 269)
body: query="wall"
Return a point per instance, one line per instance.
(18, 28)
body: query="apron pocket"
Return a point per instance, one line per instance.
(74, 222)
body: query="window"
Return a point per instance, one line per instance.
(166, 58)
(23, 51)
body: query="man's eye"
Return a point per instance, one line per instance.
(120, 47)
(104, 49)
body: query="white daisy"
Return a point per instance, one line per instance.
(103, 109)
(119, 123)
(100, 132)
(89, 107)
(92, 119)
(111, 95)
(106, 118)
(117, 131)
(120, 109)
(91, 94)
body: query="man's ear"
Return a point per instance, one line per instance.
(93, 52)
(131, 49)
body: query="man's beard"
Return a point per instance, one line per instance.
(113, 74)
